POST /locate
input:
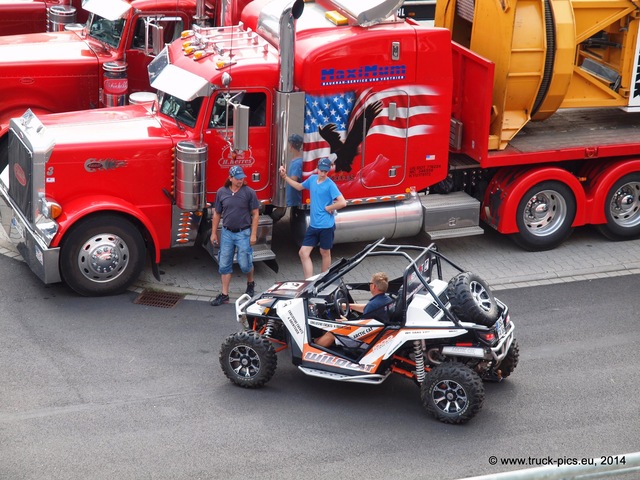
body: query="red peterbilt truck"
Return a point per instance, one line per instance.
(33, 16)
(423, 132)
(96, 66)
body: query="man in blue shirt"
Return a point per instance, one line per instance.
(326, 199)
(294, 197)
(377, 307)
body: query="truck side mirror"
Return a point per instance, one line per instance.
(155, 33)
(241, 127)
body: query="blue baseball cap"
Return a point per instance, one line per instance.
(324, 164)
(236, 172)
(296, 141)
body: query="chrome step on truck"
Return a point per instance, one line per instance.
(450, 215)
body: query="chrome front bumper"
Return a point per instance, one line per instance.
(42, 260)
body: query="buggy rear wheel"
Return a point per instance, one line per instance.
(472, 300)
(510, 361)
(452, 393)
(248, 359)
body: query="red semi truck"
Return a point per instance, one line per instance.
(428, 128)
(33, 16)
(98, 65)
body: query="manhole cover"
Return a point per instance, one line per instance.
(158, 299)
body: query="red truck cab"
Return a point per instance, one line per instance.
(34, 16)
(65, 71)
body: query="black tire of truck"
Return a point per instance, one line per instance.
(102, 255)
(622, 209)
(472, 300)
(452, 393)
(510, 361)
(544, 216)
(248, 359)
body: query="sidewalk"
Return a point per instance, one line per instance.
(585, 255)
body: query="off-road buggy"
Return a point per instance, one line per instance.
(445, 336)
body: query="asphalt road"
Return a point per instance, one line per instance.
(101, 388)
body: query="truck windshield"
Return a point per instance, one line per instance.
(106, 31)
(180, 110)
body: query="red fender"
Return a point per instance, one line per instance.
(79, 208)
(509, 185)
(600, 179)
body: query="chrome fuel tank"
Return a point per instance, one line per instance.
(357, 223)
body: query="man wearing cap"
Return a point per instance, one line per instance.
(294, 197)
(326, 199)
(237, 206)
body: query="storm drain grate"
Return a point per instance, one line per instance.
(158, 299)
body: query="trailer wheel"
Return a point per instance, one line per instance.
(452, 392)
(102, 255)
(471, 299)
(544, 216)
(622, 209)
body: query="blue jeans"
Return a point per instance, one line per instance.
(229, 241)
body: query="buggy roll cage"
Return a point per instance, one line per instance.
(422, 265)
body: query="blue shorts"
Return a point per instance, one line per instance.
(229, 241)
(319, 237)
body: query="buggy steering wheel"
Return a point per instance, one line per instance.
(341, 301)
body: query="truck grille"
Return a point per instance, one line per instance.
(20, 172)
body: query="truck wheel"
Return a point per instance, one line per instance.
(452, 392)
(102, 255)
(471, 299)
(544, 216)
(622, 209)
(510, 361)
(248, 359)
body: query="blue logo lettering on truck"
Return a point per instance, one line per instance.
(364, 74)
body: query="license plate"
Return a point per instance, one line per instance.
(499, 326)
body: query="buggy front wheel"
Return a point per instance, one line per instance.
(248, 359)
(452, 393)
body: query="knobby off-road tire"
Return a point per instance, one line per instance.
(622, 209)
(472, 300)
(452, 393)
(102, 255)
(510, 361)
(248, 359)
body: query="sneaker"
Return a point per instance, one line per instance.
(251, 289)
(220, 299)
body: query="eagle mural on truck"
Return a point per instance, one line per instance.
(346, 151)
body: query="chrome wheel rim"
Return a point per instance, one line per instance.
(103, 257)
(624, 207)
(545, 213)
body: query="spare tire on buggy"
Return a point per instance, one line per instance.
(472, 300)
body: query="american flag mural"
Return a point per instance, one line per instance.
(336, 125)
(319, 111)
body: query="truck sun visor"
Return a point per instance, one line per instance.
(180, 83)
(111, 10)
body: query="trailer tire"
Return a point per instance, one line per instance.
(472, 300)
(544, 216)
(622, 209)
(102, 255)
